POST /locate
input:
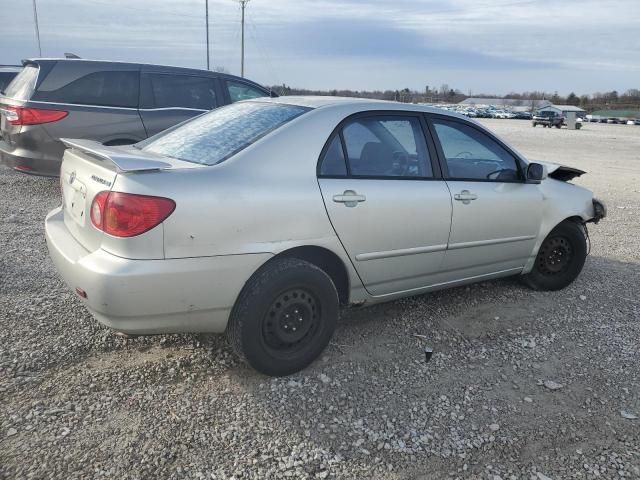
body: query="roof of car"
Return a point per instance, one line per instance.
(359, 103)
(139, 64)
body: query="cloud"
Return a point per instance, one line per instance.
(494, 46)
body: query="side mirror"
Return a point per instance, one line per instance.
(536, 173)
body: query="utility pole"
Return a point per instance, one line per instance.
(243, 4)
(206, 15)
(35, 18)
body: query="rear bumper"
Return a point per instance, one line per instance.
(151, 296)
(28, 161)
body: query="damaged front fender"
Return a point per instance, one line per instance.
(599, 210)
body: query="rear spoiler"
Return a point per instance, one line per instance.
(124, 161)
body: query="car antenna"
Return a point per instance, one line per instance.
(70, 55)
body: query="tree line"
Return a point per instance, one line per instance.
(629, 99)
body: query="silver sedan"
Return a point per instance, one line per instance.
(261, 219)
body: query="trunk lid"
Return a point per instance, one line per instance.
(82, 177)
(88, 168)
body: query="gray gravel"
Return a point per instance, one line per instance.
(521, 385)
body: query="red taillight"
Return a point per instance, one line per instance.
(127, 215)
(32, 116)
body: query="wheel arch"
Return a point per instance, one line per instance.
(326, 260)
(575, 218)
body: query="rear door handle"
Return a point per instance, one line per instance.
(350, 198)
(465, 196)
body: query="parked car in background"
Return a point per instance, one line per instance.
(637, 121)
(114, 103)
(547, 119)
(7, 74)
(261, 218)
(523, 115)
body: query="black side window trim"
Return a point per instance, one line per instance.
(433, 157)
(443, 161)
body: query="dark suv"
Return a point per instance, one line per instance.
(112, 102)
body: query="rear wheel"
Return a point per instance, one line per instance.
(560, 258)
(284, 317)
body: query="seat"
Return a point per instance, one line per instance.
(376, 159)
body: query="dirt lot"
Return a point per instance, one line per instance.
(522, 384)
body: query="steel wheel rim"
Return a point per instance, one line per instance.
(555, 256)
(291, 322)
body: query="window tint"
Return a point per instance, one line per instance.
(241, 91)
(471, 154)
(183, 91)
(387, 147)
(109, 88)
(215, 136)
(333, 163)
(5, 79)
(22, 86)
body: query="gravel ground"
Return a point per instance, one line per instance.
(522, 384)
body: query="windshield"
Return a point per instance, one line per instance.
(23, 85)
(213, 137)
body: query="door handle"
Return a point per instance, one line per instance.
(350, 198)
(465, 196)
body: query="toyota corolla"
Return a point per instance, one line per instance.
(261, 219)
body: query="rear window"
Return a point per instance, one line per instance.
(22, 86)
(213, 137)
(5, 79)
(105, 88)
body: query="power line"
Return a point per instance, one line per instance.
(35, 18)
(206, 14)
(243, 4)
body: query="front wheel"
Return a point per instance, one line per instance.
(284, 317)
(560, 258)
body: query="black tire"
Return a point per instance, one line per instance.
(560, 258)
(558, 125)
(284, 317)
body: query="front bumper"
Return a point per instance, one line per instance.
(599, 210)
(151, 296)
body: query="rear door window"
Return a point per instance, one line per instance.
(241, 91)
(186, 91)
(105, 88)
(332, 163)
(22, 86)
(387, 147)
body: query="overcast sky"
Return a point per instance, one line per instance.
(492, 46)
